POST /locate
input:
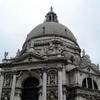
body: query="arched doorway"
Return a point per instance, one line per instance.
(30, 89)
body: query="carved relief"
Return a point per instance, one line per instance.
(52, 77)
(69, 57)
(7, 80)
(54, 48)
(85, 61)
(5, 95)
(52, 94)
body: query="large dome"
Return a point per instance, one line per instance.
(52, 39)
(50, 29)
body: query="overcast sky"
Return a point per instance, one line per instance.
(19, 17)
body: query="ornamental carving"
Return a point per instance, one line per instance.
(85, 61)
(52, 77)
(5, 95)
(68, 56)
(52, 94)
(7, 80)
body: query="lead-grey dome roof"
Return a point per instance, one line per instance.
(51, 29)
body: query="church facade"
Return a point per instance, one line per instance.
(50, 66)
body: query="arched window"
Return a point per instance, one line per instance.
(49, 18)
(95, 85)
(84, 83)
(53, 18)
(30, 89)
(89, 83)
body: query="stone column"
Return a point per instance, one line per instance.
(86, 83)
(92, 83)
(64, 75)
(40, 90)
(13, 87)
(64, 82)
(59, 84)
(1, 84)
(77, 79)
(64, 93)
(18, 94)
(40, 94)
(44, 85)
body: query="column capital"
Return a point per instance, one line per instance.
(59, 68)
(11, 72)
(2, 73)
(18, 74)
(44, 69)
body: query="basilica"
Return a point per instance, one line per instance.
(50, 66)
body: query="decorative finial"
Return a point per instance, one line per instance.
(51, 9)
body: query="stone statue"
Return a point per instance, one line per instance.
(52, 96)
(5, 55)
(98, 65)
(32, 44)
(83, 53)
(52, 79)
(5, 98)
(18, 52)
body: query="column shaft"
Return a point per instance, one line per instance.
(64, 76)
(13, 87)
(64, 97)
(1, 85)
(59, 85)
(44, 85)
(86, 83)
(92, 84)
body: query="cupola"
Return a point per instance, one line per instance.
(51, 16)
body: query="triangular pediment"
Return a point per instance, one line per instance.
(90, 69)
(28, 57)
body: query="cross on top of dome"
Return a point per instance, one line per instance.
(51, 16)
(51, 8)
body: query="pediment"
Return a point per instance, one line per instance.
(90, 69)
(28, 57)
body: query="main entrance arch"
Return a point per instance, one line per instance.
(30, 89)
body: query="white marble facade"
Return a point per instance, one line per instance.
(50, 66)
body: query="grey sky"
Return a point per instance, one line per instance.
(19, 17)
